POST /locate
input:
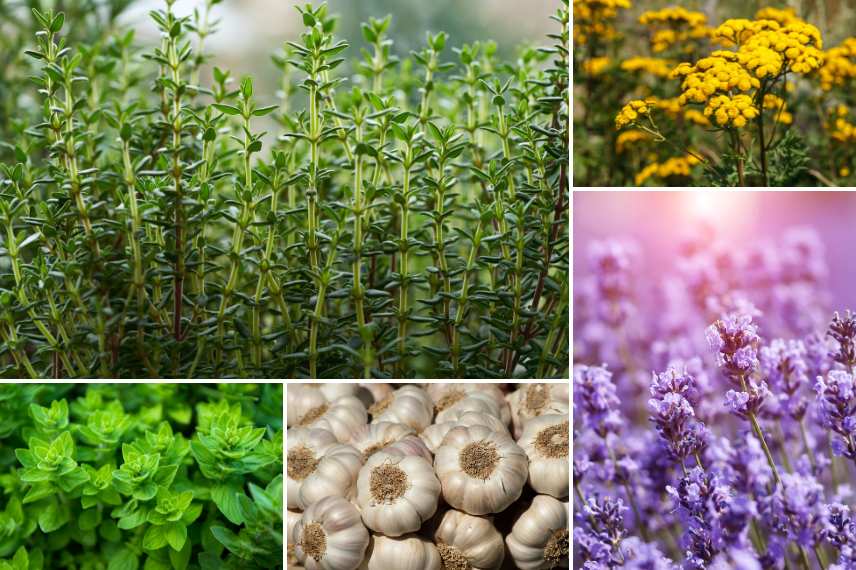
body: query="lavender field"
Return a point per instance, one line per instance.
(715, 409)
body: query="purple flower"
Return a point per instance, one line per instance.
(837, 405)
(599, 531)
(818, 354)
(839, 530)
(595, 396)
(639, 555)
(610, 262)
(741, 463)
(676, 379)
(795, 509)
(735, 339)
(742, 558)
(704, 504)
(674, 415)
(843, 331)
(784, 365)
(742, 404)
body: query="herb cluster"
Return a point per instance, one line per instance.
(742, 94)
(134, 476)
(378, 217)
(715, 410)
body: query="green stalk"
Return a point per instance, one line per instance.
(358, 291)
(179, 219)
(463, 298)
(312, 223)
(404, 268)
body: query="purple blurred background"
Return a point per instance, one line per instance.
(659, 221)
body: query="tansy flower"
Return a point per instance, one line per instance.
(630, 112)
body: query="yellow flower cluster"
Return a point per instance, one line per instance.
(673, 16)
(596, 65)
(674, 25)
(630, 112)
(671, 106)
(629, 137)
(839, 65)
(798, 43)
(652, 65)
(678, 166)
(782, 16)
(779, 105)
(593, 18)
(731, 111)
(735, 31)
(843, 130)
(697, 117)
(719, 72)
(766, 42)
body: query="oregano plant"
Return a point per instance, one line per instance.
(158, 476)
(380, 215)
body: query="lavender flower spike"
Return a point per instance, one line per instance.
(843, 331)
(595, 397)
(836, 397)
(735, 340)
(674, 395)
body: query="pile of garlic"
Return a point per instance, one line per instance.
(427, 477)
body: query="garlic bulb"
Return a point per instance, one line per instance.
(318, 466)
(330, 536)
(545, 441)
(533, 400)
(378, 391)
(371, 438)
(397, 494)
(291, 519)
(409, 405)
(466, 542)
(300, 400)
(405, 553)
(445, 396)
(481, 471)
(474, 402)
(341, 417)
(410, 445)
(433, 435)
(539, 538)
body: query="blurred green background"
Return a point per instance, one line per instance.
(251, 30)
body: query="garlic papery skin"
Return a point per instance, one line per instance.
(317, 468)
(474, 402)
(371, 438)
(539, 538)
(434, 434)
(408, 552)
(410, 445)
(342, 417)
(300, 400)
(446, 396)
(409, 405)
(533, 400)
(545, 441)
(291, 519)
(467, 542)
(397, 494)
(481, 471)
(377, 391)
(330, 536)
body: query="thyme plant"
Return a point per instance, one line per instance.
(376, 217)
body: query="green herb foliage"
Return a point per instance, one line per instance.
(158, 476)
(376, 218)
